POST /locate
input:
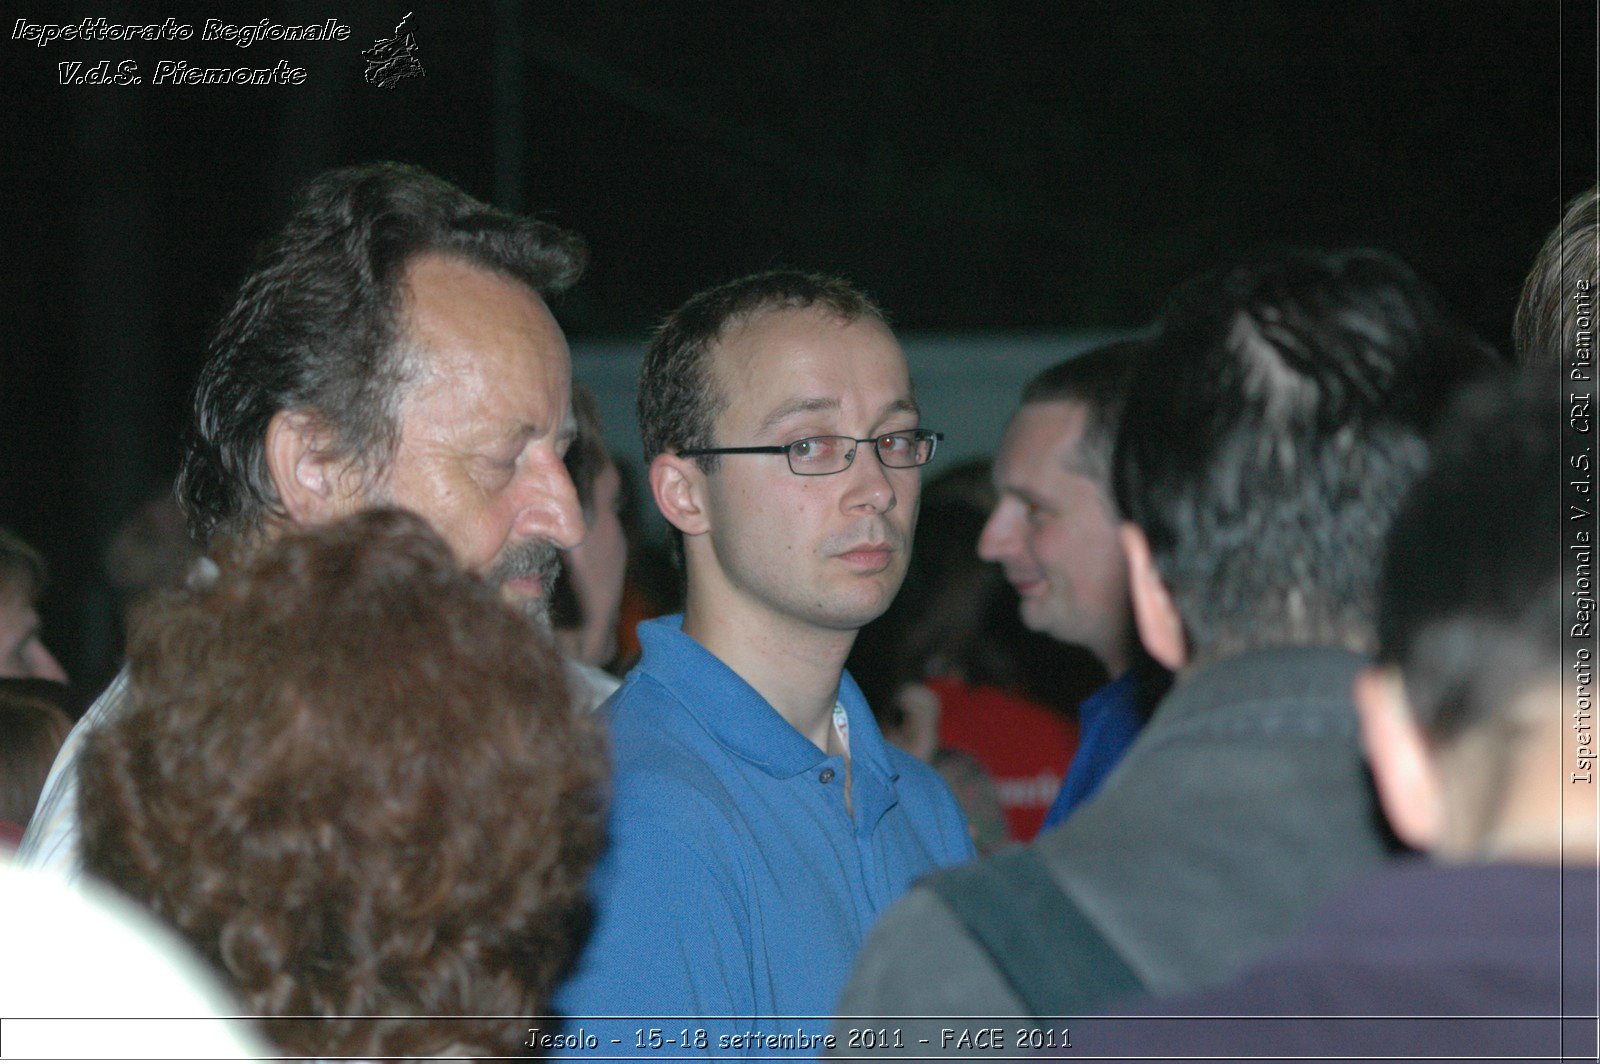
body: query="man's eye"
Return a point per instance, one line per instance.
(499, 468)
(897, 442)
(814, 447)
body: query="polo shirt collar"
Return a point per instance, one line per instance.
(743, 722)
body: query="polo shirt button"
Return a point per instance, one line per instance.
(825, 776)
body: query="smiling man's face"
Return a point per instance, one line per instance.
(1054, 534)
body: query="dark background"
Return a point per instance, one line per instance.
(977, 166)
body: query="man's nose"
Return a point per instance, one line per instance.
(870, 485)
(999, 535)
(549, 509)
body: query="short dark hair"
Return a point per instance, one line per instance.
(678, 399)
(354, 780)
(1566, 270)
(319, 326)
(1470, 599)
(1266, 446)
(22, 569)
(1097, 380)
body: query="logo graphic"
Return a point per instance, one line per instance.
(391, 60)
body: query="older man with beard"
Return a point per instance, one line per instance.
(392, 347)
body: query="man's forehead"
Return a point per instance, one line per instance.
(795, 360)
(1042, 437)
(489, 342)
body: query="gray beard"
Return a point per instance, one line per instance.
(533, 557)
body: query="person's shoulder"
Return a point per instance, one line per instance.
(667, 776)
(590, 686)
(641, 705)
(51, 839)
(917, 935)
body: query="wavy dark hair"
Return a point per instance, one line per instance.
(1267, 440)
(318, 326)
(353, 779)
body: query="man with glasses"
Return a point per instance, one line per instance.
(760, 822)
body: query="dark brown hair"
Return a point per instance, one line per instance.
(1097, 380)
(678, 395)
(354, 780)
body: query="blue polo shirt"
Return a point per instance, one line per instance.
(737, 888)
(1109, 720)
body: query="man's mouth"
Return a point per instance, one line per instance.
(526, 570)
(526, 586)
(1026, 585)
(868, 557)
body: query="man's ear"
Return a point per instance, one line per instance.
(313, 484)
(1154, 614)
(678, 486)
(1402, 766)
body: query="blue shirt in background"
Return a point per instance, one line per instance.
(1109, 721)
(737, 888)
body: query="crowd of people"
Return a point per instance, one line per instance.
(1232, 689)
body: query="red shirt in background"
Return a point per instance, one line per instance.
(1025, 746)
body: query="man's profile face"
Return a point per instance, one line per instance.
(22, 654)
(1054, 534)
(483, 424)
(821, 551)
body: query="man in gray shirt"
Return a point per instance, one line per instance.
(1261, 459)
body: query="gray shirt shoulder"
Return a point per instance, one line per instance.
(920, 976)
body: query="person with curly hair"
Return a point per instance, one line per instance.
(352, 777)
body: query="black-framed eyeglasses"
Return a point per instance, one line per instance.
(817, 456)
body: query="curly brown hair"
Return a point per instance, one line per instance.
(354, 780)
